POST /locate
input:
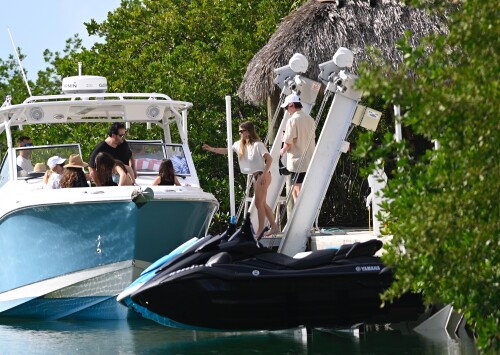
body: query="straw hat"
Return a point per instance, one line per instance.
(75, 161)
(39, 168)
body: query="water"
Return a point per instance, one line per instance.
(145, 337)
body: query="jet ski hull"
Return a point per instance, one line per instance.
(246, 296)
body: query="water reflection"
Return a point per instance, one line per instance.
(144, 337)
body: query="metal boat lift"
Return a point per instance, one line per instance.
(344, 111)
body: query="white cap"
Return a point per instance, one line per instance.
(55, 160)
(289, 99)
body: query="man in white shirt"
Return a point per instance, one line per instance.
(24, 158)
(298, 141)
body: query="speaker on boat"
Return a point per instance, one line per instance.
(36, 114)
(153, 111)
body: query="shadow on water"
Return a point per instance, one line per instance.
(145, 337)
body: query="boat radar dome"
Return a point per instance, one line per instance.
(84, 84)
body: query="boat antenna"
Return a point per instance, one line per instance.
(19, 62)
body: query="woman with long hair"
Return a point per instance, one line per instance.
(111, 172)
(73, 175)
(254, 159)
(166, 174)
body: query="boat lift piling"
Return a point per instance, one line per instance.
(230, 157)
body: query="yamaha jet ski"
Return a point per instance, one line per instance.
(233, 283)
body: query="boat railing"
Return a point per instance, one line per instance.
(100, 97)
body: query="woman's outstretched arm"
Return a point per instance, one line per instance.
(213, 149)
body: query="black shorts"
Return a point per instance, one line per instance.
(299, 176)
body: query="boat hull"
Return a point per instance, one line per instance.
(72, 259)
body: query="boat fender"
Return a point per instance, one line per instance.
(140, 196)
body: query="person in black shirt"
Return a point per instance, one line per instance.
(73, 175)
(166, 174)
(116, 146)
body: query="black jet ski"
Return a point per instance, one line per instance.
(231, 282)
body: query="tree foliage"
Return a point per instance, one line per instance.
(444, 205)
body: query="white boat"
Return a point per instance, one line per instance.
(67, 253)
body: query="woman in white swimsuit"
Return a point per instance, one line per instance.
(254, 159)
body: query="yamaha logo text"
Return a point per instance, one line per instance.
(367, 268)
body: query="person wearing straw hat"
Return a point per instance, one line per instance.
(73, 175)
(298, 141)
(53, 175)
(39, 168)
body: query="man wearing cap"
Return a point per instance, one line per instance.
(53, 176)
(116, 146)
(298, 141)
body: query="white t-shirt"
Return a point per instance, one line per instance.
(300, 134)
(253, 157)
(53, 182)
(24, 164)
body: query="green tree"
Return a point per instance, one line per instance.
(444, 205)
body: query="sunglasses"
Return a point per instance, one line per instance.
(28, 145)
(121, 135)
(242, 130)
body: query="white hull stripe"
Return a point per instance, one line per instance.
(26, 293)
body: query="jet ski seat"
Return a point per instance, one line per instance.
(349, 251)
(315, 259)
(320, 257)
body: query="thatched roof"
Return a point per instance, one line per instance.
(318, 28)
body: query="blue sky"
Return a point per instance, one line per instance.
(37, 25)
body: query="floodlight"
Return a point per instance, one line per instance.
(326, 71)
(296, 65)
(282, 75)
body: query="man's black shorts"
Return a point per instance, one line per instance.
(299, 176)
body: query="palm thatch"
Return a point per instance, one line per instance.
(318, 28)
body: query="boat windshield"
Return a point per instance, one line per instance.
(38, 156)
(148, 156)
